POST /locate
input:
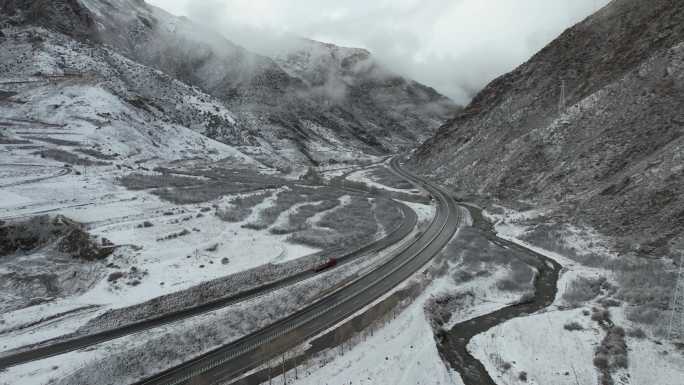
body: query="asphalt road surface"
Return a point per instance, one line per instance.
(232, 360)
(61, 346)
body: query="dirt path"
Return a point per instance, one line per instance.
(61, 171)
(453, 346)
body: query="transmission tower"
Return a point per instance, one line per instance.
(675, 327)
(562, 101)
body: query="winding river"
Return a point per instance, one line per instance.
(454, 343)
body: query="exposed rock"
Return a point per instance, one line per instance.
(65, 16)
(313, 103)
(611, 156)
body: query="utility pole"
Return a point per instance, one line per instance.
(284, 378)
(677, 298)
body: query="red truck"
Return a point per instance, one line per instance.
(332, 262)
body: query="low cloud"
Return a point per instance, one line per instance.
(455, 46)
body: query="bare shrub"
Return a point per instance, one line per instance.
(637, 333)
(298, 220)
(30, 234)
(611, 354)
(519, 277)
(609, 302)
(356, 222)
(68, 157)
(146, 181)
(602, 316)
(283, 202)
(6, 140)
(388, 213)
(97, 154)
(290, 197)
(175, 235)
(115, 276)
(552, 237)
(601, 361)
(241, 207)
(79, 244)
(648, 287)
(59, 142)
(573, 326)
(440, 308)
(583, 289)
(204, 193)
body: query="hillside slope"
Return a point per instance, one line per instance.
(64, 94)
(612, 156)
(284, 117)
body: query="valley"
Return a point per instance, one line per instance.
(176, 208)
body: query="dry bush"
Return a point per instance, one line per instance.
(519, 278)
(59, 142)
(388, 213)
(67, 236)
(573, 326)
(583, 289)
(648, 287)
(288, 198)
(97, 154)
(637, 333)
(6, 140)
(241, 207)
(611, 354)
(31, 234)
(147, 181)
(298, 220)
(353, 225)
(204, 192)
(67, 157)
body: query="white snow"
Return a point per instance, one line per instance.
(401, 352)
(540, 346)
(364, 177)
(10, 199)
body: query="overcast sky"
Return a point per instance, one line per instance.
(455, 46)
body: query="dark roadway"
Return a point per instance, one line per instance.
(234, 359)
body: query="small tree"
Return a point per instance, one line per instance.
(312, 176)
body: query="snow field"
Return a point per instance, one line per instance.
(401, 352)
(540, 346)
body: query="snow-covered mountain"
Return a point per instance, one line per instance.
(611, 155)
(314, 103)
(62, 91)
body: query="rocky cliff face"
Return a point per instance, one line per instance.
(612, 154)
(66, 16)
(313, 104)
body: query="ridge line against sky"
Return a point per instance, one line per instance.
(455, 46)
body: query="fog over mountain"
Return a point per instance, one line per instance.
(447, 192)
(454, 46)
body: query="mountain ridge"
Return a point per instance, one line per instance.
(284, 115)
(610, 157)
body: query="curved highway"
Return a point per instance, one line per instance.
(232, 360)
(61, 346)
